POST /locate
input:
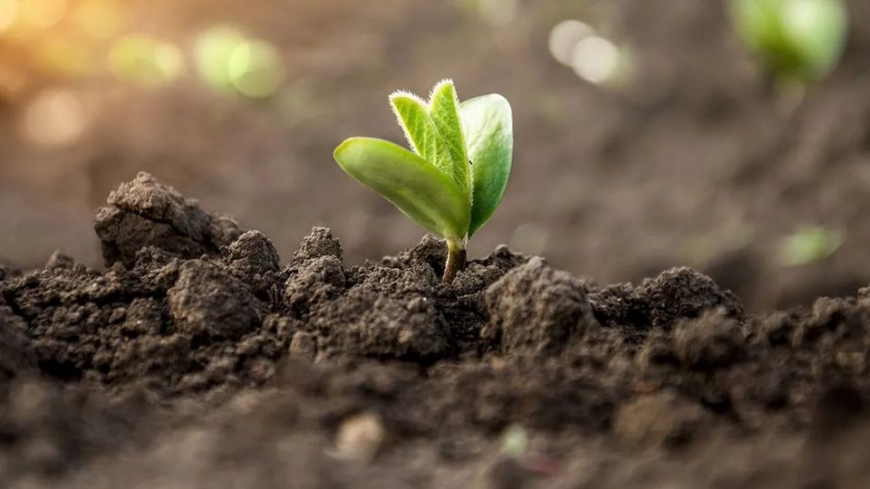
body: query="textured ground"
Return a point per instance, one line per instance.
(202, 359)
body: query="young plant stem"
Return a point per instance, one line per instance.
(456, 259)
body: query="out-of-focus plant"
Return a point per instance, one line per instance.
(456, 175)
(230, 61)
(810, 243)
(795, 40)
(514, 441)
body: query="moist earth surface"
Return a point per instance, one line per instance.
(200, 358)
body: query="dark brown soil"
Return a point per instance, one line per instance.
(199, 359)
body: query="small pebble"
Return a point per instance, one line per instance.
(361, 437)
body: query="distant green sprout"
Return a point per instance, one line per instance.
(456, 175)
(796, 40)
(515, 441)
(810, 243)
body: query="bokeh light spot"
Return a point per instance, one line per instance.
(42, 13)
(595, 59)
(565, 36)
(230, 61)
(212, 54)
(57, 117)
(145, 60)
(255, 69)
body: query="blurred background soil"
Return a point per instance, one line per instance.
(683, 158)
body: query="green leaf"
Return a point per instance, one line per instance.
(811, 243)
(796, 39)
(452, 158)
(413, 115)
(409, 182)
(818, 30)
(489, 131)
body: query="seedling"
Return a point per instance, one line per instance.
(796, 40)
(810, 243)
(456, 175)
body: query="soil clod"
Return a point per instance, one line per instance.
(145, 212)
(538, 308)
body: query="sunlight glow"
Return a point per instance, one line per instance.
(43, 13)
(565, 36)
(595, 59)
(8, 14)
(101, 19)
(56, 117)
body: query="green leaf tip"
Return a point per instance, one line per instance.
(444, 111)
(412, 113)
(455, 175)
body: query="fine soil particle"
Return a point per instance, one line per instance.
(197, 356)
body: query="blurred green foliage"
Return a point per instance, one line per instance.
(810, 243)
(796, 40)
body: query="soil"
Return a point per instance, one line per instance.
(198, 359)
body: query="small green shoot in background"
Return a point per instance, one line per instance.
(797, 41)
(810, 243)
(456, 175)
(514, 441)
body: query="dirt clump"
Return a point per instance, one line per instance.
(207, 302)
(534, 306)
(144, 212)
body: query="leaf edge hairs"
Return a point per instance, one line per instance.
(455, 175)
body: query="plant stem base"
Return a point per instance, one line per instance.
(456, 260)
